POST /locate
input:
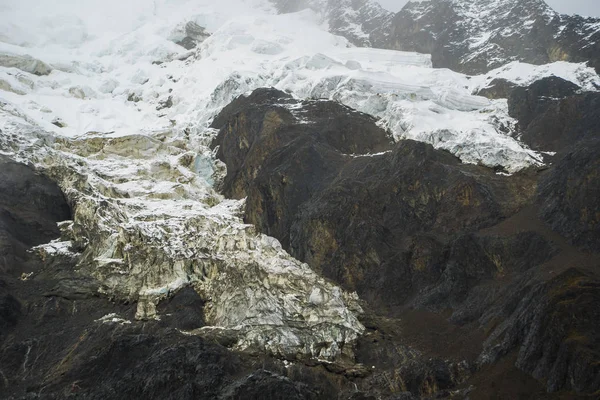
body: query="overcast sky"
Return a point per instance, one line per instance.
(583, 7)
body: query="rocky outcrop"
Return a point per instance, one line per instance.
(554, 323)
(30, 207)
(411, 226)
(190, 35)
(553, 116)
(526, 103)
(497, 89)
(275, 122)
(307, 190)
(568, 195)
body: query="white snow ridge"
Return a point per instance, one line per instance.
(100, 96)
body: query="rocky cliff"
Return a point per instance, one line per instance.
(410, 227)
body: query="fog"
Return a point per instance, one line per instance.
(581, 7)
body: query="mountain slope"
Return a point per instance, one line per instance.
(356, 20)
(477, 36)
(467, 36)
(262, 208)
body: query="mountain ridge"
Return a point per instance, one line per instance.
(466, 36)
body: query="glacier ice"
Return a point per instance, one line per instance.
(147, 218)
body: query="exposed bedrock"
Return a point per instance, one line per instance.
(410, 227)
(552, 114)
(361, 219)
(569, 195)
(61, 337)
(554, 118)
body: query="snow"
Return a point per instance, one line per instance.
(55, 247)
(524, 74)
(113, 318)
(141, 175)
(249, 48)
(103, 65)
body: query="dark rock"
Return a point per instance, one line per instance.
(472, 260)
(183, 311)
(555, 327)
(525, 103)
(134, 97)
(413, 227)
(10, 311)
(188, 43)
(365, 229)
(59, 122)
(24, 224)
(251, 128)
(75, 288)
(194, 35)
(568, 195)
(553, 116)
(356, 219)
(267, 385)
(372, 223)
(564, 122)
(168, 103)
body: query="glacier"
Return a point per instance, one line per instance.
(100, 97)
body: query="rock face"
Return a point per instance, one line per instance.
(569, 194)
(62, 332)
(525, 103)
(497, 89)
(23, 224)
(27, 223)
(477, 36)
(248, 139)
(554, 322)
(307, 190)
(553, 116)
(411, 226)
